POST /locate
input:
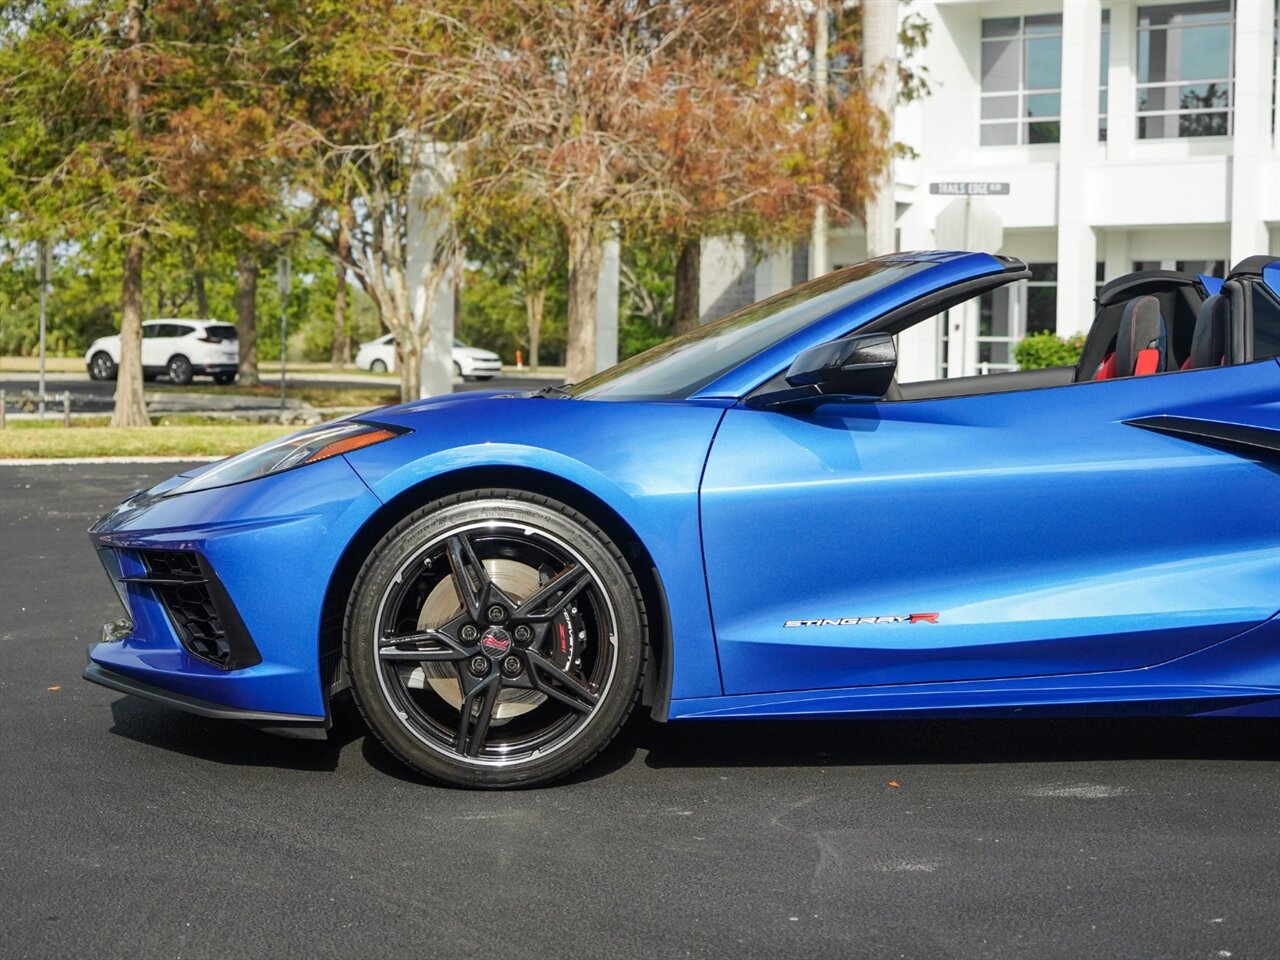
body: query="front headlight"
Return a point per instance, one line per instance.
(296, 450)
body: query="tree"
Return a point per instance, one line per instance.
(565, 101)
(375, 144)
(124, 132)
(520, 243)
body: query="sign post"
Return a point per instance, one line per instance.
(283, 278)
(42, 276)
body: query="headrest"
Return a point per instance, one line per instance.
(1141, 329)
(1209, 342)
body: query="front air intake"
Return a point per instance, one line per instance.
(199, 608)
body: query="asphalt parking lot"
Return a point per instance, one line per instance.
(133, 831)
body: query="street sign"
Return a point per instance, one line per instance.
(970, 188)
(283, 276)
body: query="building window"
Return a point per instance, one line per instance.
(1021, 80)
(1184, 70)
(1009, 313)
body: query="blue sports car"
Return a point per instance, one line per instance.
(753, 520)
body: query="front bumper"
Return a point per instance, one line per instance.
(285, 724)
(269, 548)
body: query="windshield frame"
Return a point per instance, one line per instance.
(841, 309)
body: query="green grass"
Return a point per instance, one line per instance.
(24, 439)
(375, 395)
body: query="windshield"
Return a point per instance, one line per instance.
(678, 368)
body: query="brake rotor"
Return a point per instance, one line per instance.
(518, 581)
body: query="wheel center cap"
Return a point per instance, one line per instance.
(495, 643)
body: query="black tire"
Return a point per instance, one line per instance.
(180, 370)
(224, 378)
(378, 366)
(544, 681)
(102, 367)
(457, 371)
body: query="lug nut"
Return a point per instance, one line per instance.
(524, 633)
(496, 613)
(479, 666)
(511, 666)
(469, 632)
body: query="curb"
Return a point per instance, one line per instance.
(71, 461)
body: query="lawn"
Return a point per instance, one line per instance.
(28, 439)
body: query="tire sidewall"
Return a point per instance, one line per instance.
(182, 376)
(429, 523)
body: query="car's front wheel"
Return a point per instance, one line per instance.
(102, 367)
(180, 370)
(495, 638)
(378, 366)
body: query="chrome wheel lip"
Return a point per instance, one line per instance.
(510, 758)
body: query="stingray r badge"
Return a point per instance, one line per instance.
(858, 621)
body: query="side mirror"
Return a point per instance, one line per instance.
(858, 368)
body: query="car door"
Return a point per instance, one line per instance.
(1087, 527)
(155, 351)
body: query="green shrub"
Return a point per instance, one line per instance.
(1041, 350)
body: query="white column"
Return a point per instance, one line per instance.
(773, 272)
(918, 345)
(1119, 260)
(723, 261)
(1077, 245)
(1251, 126)
(1122, 82)
(429, 253)
(437, 358)
(607, 306)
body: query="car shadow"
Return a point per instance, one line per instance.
(229, 742)
(808, 743)
(713, 744)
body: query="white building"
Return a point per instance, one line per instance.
(1131, 135)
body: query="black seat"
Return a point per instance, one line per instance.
(1209, 342)
(1142, 342)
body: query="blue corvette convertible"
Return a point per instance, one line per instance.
(752, 520)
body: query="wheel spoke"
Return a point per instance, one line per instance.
(560, 684)
(391, 648)
(554, 595)
(462, 556)
(472, 731)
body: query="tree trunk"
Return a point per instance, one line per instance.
(341, 353)
(688, 270)
(533, 304)
(247, 317)
(409, 362)
(131, 403)
(585, 253)
(202, 295)
(880, 62)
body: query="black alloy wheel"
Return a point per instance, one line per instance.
(180, 370)
(102, 367)
(495, 638)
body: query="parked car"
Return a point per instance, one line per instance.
(753, 520)
(469, 363)
(178, 349)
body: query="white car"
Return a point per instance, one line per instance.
(469, 363)
(180, 349)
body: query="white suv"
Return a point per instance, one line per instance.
(179, 348)
(469, 363)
